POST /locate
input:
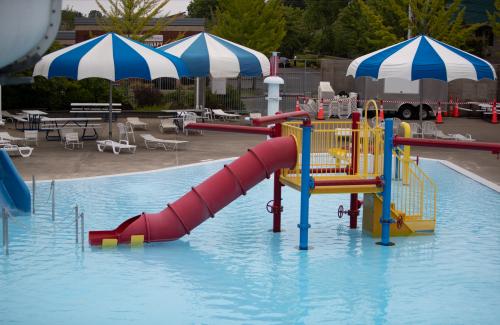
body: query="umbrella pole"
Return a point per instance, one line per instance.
(110, 116)
(197, 97)
(421, 86)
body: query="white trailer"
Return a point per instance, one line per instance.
(402, 97)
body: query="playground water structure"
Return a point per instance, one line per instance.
(232, 269)
(314, 158)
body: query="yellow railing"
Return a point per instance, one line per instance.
(332, 145)
(413, 192)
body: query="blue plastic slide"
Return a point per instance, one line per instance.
(14, 193)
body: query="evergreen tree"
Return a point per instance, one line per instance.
(202, 9)
(68, 18)
(493, 19)
(132, 17)
(297, 34)
(320, 15)
(257, 24)
(361, 29)
(441, 20)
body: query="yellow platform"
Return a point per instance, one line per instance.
(407, 226)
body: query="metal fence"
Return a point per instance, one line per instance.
(242, 94)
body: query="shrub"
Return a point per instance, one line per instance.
(147, 96)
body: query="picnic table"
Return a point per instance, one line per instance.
(88, 109)
(33, 116)
(57, 124)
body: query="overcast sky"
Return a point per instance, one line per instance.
(84, 6)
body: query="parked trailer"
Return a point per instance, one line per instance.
(402, 97)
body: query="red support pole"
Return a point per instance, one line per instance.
(277, 207)
(354, 206)
(472, 145)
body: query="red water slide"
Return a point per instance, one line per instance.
(206, 199)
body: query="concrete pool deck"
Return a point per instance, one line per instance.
(51, 161)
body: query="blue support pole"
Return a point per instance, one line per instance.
(305, 185)
(386, 220)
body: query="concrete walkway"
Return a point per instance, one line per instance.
(51, 161)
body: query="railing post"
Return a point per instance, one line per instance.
(5, 227)
(33, 192)
(53, 188)
(82, 230)
(354, 207)
(305, 185)
(385, 219)
(76, 224)
(277, 207)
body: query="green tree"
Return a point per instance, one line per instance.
(132, 17)
(494, 18)
(295, 3)
(95, 14)
(362, 31)
(319, 16)
(257, 24)
(297, 34)
(68, 18)
(202, 8)
(441, 20)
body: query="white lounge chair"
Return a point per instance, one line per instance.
(207, 113)
(71, 141)
(31, 136)
(415, 128)
(116, 147)
(167, 124)
(124, 131)
(187, 119)
(134, 122)
(223, 115)
(8, 137)
(15, 150)
(152, 142)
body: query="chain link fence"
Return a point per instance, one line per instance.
(242, 94)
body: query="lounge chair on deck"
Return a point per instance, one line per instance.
(223, 115)
(429, 128)
(15, 150)
(188, 119)
(134, 122)
(116, 147)
(124, 131)
(8, 137)
(71, 141)
(31, 136)
(167, 124)
(152, 142)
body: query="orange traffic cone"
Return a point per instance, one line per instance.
(456, 112)
(381, 114)
(494, 118)
(297, 105)
(321, 112)
(439, 117)
(450, 107)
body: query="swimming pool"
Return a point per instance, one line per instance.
(232, 270)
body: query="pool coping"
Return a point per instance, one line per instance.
(458, 169)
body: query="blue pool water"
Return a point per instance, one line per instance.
(232, 270)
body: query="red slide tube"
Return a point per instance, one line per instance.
(473, 145)
(206, 199)
(279, 118)
(344, 182)
(230, 128)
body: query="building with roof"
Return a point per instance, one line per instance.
(86, 28)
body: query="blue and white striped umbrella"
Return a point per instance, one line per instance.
(419, 58)
(110, 56)
(209, 55)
